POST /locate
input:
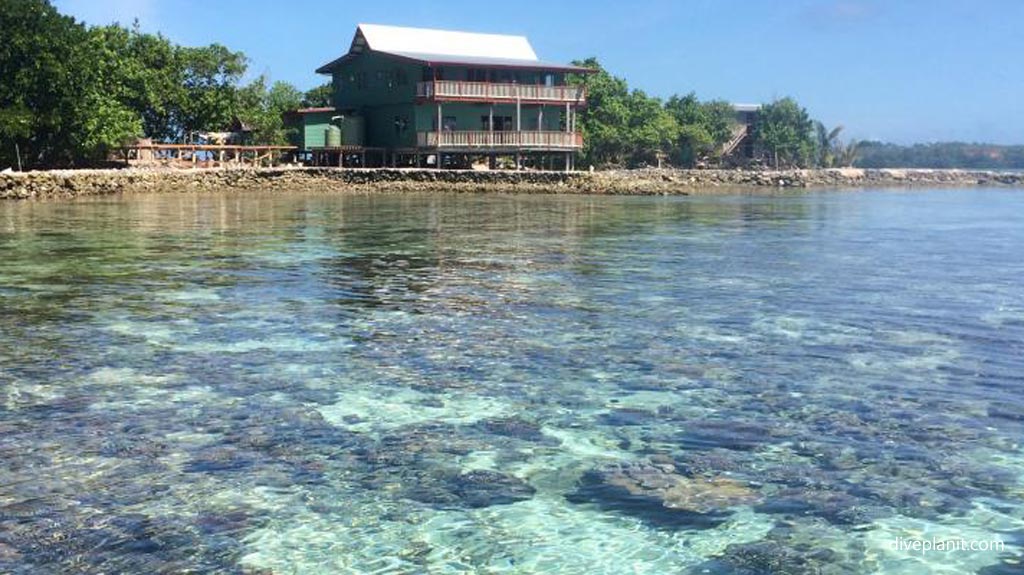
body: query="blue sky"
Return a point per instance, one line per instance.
(896, 70)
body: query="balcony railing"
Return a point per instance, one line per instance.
(545, 140)
(450, 89)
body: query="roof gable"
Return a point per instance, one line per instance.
(401, 41)
(444, 47)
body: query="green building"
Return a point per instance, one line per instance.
(413, 96)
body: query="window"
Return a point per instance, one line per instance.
(503, 124)
(401, 124)
(477, 75)
(448, 124)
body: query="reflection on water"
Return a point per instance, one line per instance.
(496, 384)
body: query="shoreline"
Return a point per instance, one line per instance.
(66, 184)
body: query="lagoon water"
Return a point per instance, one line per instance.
(307, 383)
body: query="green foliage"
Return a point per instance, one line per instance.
(786, 132)
(319, 97)
(621, 127)
(262, 109)
(605, 119)
(70, 94)
(40, 53)
(704, 128)
(211, 99)
(652, 130)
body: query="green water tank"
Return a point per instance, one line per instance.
(354, 131)
(332, 137)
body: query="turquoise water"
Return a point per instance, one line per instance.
(496, 384)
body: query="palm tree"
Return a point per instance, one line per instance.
(847, 154)
(829, 145)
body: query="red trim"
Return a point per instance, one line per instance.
(422, 100)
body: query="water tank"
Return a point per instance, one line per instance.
(354, 131)
(332, 137)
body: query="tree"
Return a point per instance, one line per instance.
(71, 94)
(263, 108)
(210, 93)
(847, 154)
(828, 144)
(605, 119)
(42, 55)
(652, 130)
(704, 127)
(319, 97)
(786, 132)
(622, 128)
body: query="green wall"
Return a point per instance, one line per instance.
(468, 116)
(373, 80)
(308, 129)
(314, 126)
(384, 126)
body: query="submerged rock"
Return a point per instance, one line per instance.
(627, 416)
(663, 497)
(769, 558)
(513, 427)
(220, 459)
(486, 488)
(707, 434)
(836, 507)
(472, 490)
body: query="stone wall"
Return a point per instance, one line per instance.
(74, 183)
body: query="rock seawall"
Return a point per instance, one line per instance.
(75, 183)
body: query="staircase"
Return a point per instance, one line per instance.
(739, 134)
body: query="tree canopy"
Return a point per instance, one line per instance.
(786, 132)
(626, 128)
(71, 93)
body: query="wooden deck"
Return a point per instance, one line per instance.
(204, 155)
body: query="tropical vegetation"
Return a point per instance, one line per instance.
(941, 155)
(628, 128)
(70, 94)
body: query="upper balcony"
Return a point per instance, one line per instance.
(451, 90)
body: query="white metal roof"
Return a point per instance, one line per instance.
(746, 107)
(401, 40)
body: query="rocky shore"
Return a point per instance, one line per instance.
(75, 183)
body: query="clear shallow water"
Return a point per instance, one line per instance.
(493, 384)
